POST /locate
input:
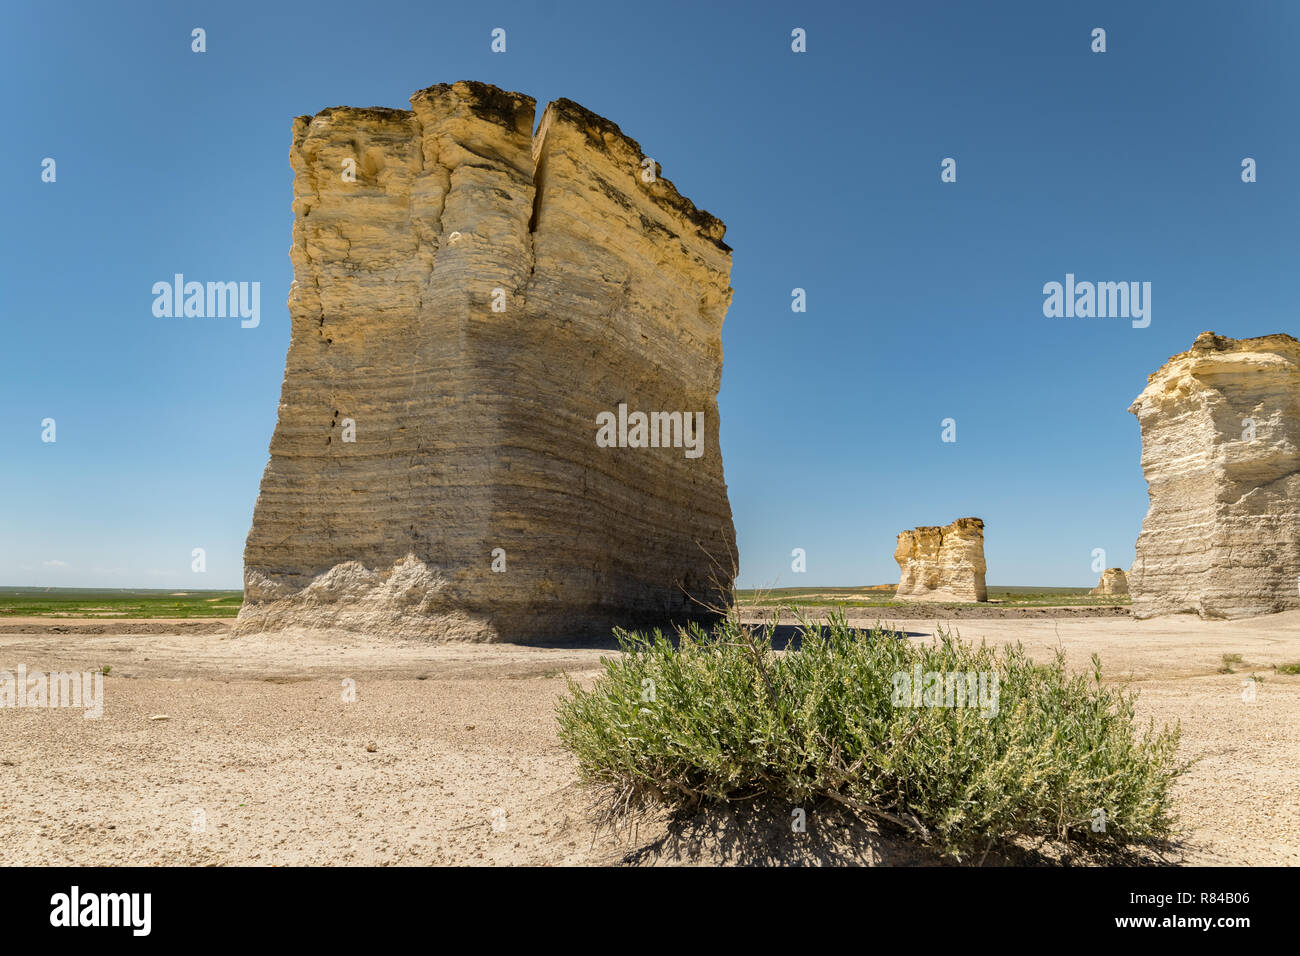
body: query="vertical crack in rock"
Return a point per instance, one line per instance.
(1221, 455)
(476, 428)
(942, 563)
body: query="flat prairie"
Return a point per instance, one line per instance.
(217, 750)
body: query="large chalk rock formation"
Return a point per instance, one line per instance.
(1221, 454)
(942, 564)
(464, 308)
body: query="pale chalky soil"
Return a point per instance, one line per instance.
(258, 737)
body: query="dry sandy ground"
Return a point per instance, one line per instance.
(443, 741)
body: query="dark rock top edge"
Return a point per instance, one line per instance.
(959, 522)
(1208, 342)
(503, 107)
(709, 225)
(1221, 343)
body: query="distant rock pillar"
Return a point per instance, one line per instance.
(942, 563)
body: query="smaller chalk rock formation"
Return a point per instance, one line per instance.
(1113, 581)
(942, 564)
(1221, 455)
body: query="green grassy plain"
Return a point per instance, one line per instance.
(117, 602)
(143, 602)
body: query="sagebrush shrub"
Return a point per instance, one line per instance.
(720, 717)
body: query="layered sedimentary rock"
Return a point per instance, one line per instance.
(1113, 581)
(469, 300)
(1221, 454)
(942, 564)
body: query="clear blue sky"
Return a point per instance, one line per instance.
(924, 298)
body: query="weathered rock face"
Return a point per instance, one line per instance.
(1113, 581)
(1221, 454)
(462, 313)
(942, 564)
